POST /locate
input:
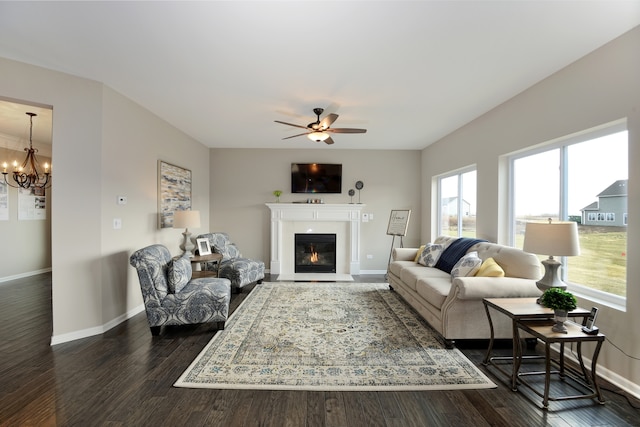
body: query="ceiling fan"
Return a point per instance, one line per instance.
(320, 129)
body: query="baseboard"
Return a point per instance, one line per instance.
(23, 275)
(365, 272)
(96, 330)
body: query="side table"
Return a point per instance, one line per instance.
(517, 309)
(201, 259)
(542, 331)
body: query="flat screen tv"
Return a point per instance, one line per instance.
(316, 178)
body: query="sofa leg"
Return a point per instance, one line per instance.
(259, 282)
(155, 330)
(220, 326)
(449, 344)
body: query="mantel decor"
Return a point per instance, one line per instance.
(174, 192)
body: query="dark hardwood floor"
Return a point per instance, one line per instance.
(124, 378)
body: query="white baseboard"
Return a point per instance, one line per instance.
(23, 275)
(97, 330)
(365, 272)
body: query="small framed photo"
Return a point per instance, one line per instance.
(204, 248)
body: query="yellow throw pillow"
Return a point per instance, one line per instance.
(419, 252)
(490, 268)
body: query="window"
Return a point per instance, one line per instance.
(457, 204)
(584, 179)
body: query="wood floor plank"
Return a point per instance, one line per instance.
(125, 377)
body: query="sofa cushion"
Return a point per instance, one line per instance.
(420, 249)
(430, 254)
(456, 250)
(410, 274)
(435, 290)
(490, 268)
(178, 274)
(468, 265)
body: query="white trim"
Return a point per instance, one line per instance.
(96, 330)
(23, 275)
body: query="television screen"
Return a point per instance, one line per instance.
(316, 178)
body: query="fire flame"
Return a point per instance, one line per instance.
(314, 256)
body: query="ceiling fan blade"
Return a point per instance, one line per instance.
(346, 130)
(294, 136)
(329, 141)
(328, 120)
(291, 124)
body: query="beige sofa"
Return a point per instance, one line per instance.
(453, 307)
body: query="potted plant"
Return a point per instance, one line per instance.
(277, 193)
(561, 302)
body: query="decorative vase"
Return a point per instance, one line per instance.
(560, 318)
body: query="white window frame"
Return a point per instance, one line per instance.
(439, 178)
(615, 301)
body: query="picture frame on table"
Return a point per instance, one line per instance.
(204, 248)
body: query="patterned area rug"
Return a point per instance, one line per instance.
(328, 336)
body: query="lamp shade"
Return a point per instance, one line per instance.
(186, 219)
(552, 238)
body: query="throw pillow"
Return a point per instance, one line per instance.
(468, 265)
(179, 274)
(490, 268)
(420, 249)
(430, 254)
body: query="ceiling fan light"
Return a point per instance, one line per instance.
(318, 136)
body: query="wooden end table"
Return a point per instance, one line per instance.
(200, 259)
(541, 329)
(517, 309)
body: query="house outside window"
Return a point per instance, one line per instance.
(457, 203)
(582, 178)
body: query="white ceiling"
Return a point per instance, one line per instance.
(222, 71)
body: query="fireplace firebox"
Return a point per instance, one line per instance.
(315, 253)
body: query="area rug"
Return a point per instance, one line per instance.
(329, 336)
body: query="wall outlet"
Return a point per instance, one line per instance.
(365, 217)
(369, 256)
(370, 217)
(117, 223)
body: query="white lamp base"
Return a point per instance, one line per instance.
(551, 278)
(187, 246)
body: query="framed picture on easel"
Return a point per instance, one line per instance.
(398, 222)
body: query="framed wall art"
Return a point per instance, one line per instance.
(174, 192)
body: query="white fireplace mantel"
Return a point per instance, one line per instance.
(289, 218)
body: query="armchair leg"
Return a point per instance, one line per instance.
(155, 330)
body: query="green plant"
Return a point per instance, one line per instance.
(558, 299)
(277, 193)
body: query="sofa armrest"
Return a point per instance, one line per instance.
(404, 254)
(473, 288)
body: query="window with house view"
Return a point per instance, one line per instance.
(457, 207)
(582, 179)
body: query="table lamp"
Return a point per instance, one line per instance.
(186, 220)
(551, 238)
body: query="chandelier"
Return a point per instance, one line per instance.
(28, 175)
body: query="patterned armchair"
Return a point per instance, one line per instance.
(241, 271)
(171, 297)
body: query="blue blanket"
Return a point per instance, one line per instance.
(456, 250)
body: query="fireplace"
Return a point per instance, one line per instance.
(315, 253)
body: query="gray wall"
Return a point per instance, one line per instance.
(104, 145)
(243, 180)
(600, 88)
